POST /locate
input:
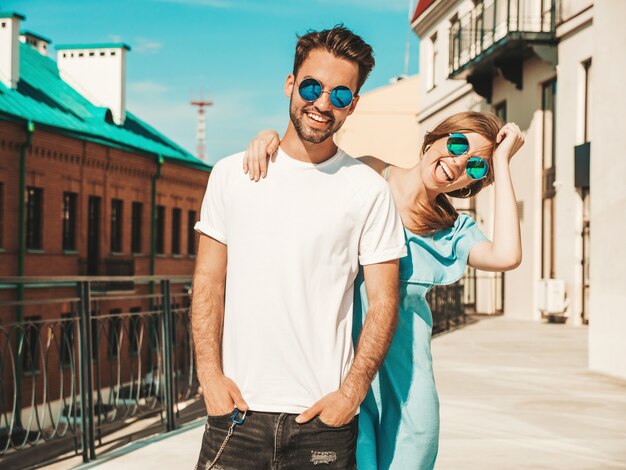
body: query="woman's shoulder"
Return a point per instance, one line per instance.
(374, 163)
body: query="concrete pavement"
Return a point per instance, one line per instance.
(514, 395)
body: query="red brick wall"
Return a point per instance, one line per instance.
(58, 163)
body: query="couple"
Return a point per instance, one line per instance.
(320, 248)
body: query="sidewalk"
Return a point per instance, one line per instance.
(514, 395)
(518, 395)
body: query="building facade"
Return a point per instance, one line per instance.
(538, 63)
(86, 189)
(383, 124)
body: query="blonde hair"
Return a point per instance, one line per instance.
(426, 220)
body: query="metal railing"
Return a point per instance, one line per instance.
(491, 21)
(447, 307)
(87, 366)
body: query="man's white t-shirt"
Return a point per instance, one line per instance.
(295, 240)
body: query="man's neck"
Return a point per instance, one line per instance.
(304, 151)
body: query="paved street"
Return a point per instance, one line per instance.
(514, 395)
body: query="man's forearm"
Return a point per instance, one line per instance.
(380, 324)
(207, 319)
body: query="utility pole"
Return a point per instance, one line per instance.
(201, 128)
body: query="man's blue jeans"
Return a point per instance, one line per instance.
(274, 441)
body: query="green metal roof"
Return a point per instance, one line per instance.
(104, 45)
(11, 14)
(44, 98)
(35, 35)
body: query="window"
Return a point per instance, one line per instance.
(500, 110)
(34, 218)
(160, 229)
(176, 218)
(69, 220)
(1, 215)
(30, 348)
(136, 224)
(134, 330)
(433, 61)
(67, 339)
(548, 106)
(587, 103)
(114, 333)
(455, 42)
(191, 233)
(117, 206)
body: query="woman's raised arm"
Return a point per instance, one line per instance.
(504, 253)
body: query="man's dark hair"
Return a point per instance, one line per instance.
(341, 42)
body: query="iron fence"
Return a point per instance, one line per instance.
(81, 366)
(490, 21)
(447, 307)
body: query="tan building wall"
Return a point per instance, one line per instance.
(384, 124)
(607, 323)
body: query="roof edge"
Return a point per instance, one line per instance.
(4, 116)
(12, 14)
(105, 45)
(35, 35)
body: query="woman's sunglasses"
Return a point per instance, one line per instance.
(310, 90)
(477, 167)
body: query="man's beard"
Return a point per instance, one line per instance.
(306, 133)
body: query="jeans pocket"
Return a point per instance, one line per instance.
(321, 423)
(220, 417)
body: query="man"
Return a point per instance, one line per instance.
(273, 285)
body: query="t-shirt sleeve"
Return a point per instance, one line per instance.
(212, 213)
(382, 238)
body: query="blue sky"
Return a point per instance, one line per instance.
(239, 51)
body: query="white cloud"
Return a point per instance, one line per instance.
(147, 86)
(115, 38)
(147, 46)
(378, 5)
(203, 3)
(284, 5)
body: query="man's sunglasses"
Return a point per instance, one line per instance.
(310, 90)
(477, 167)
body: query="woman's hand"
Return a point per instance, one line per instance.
(509, 140)
(264, 146)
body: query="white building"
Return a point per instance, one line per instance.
(532, 62)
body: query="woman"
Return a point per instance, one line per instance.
(399, 420)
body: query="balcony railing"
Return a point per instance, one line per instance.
(492, 24)
(83, 367)
(447, 306)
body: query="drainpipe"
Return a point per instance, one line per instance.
(155, 177)
(159, 163)
(30, 129)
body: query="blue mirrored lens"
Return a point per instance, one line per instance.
(310, 89)
(477, 168)
(341, 97)
(457, 144)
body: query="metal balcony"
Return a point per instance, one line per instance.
(498, 35)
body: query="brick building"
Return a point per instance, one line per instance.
(86, 188)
